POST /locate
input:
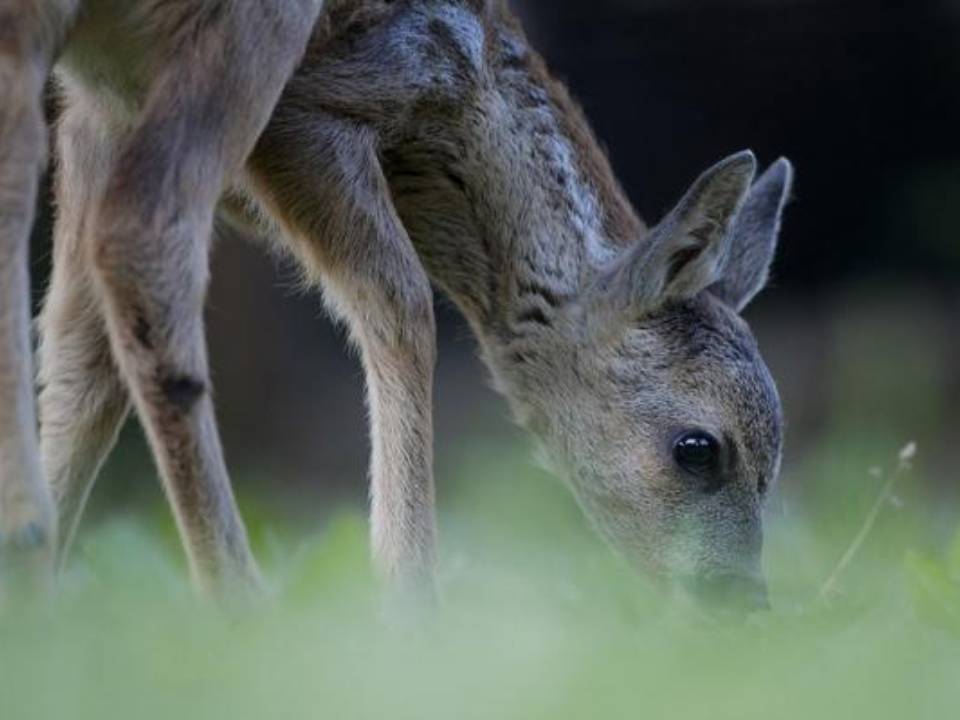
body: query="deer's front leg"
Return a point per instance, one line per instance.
(390, 313)
(331, 198)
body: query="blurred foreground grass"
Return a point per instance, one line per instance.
(538, 620)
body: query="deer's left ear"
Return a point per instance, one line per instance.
(753, 238)
(686, 252)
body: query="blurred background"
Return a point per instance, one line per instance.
(861, 325)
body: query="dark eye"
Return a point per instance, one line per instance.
(698, 453)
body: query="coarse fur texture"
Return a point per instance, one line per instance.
(424, 140)
(149, 139)
(435, 145)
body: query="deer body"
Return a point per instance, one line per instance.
(451, 150)
(422, 141)
(440, 148)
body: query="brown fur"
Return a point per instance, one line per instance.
(147, 144)
(487, 179)
(419, 141)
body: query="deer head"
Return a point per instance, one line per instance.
(659, 410)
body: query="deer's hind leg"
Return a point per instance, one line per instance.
(331, 198)
(82, 400)
(30, 32)
(150, 242)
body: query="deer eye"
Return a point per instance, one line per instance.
(698, 453)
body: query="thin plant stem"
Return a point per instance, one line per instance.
(905, 457)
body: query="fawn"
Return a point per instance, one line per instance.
(423, 140)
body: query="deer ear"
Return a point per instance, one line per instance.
(753, 239)
(687, 251)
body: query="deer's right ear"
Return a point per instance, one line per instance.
(686, 252)
(754, 237)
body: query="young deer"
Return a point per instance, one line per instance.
(424, 140)
(151, 136)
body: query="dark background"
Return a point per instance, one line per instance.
(860, 325)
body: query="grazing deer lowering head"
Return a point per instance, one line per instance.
(419, 141)
(425, 140)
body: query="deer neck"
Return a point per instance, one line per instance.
(512, 206)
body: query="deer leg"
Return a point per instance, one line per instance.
(29, 34)
(82, 400)
(150, 244)
(348, 235)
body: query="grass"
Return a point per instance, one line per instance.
(538, 620)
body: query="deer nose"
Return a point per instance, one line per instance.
(727, 592)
